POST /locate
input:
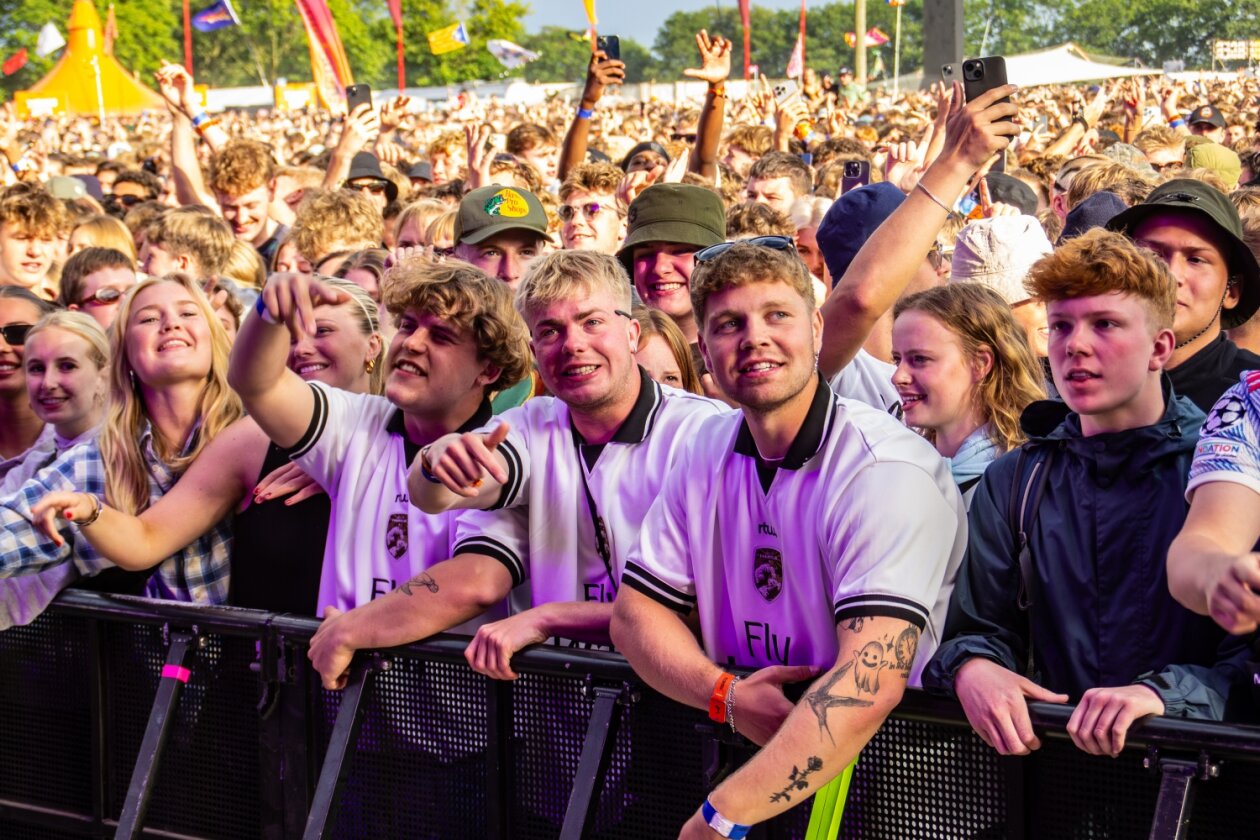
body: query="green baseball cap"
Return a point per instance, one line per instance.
(1195, 197)
(678, 214)
(487, 211)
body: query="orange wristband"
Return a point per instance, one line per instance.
(717, 702)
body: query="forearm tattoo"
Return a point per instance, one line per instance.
(897, 655)
(798, 779)
(423, 579)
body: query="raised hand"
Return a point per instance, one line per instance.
(71, 507)
(600, 73)
(291, 299)
(715, 59)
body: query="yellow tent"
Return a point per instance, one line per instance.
(86, 80)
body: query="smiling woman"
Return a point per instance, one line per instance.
(168, 398)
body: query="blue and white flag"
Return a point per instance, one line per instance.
(218, 16)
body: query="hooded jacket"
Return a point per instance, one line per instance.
(1102, 614)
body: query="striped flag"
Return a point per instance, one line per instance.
(448, 39)
(329, 67)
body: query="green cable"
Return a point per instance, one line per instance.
(828, 810)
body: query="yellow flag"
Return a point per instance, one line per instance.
(448, 39)
(590, 12)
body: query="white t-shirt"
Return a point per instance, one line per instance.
(861, 518)
(544, 532)
(868, 380)
(357, 449)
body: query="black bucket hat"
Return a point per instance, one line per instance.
(1190, 196)
(365, 165)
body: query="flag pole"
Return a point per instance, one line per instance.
(402, 73)
(188, 64)
(897, 54)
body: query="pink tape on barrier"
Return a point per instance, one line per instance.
(176, 672)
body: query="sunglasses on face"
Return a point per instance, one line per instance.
(128, 200)
(591, 209)
(775, 243)
(14, 335)
(373, 187)
(102, 297)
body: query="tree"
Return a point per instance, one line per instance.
(1157, 30)
(564, 54)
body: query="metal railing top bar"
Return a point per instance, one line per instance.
(1221, 739)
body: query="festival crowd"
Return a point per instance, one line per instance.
(824, 386)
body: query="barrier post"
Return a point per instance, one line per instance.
(341, 744)
(143, 777)
(1177, 787)
(499, 779)
(597, 748)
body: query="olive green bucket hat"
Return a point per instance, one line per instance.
(679, 214)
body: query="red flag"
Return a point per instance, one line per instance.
(395, 12)
(15, 62)
(111, 31)
(329, 66)
(743, 19)
(802, 37)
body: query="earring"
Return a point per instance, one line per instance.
(370, 366)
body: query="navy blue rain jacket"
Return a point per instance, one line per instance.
(1102, 614)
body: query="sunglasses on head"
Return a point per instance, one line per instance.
(590, 209)
(14, 335)
(775, 243)
(101, 297)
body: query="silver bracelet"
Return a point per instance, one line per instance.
(730, 704)
(939, 203)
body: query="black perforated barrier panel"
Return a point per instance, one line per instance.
(419, 767)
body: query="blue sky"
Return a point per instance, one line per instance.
(637, 19)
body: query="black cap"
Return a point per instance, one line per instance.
(1190, 196)
(365, 165)
(1010, 190)
(1207, 114)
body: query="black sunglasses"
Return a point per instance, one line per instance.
(14, 335)
(373, 187)
(775, 243)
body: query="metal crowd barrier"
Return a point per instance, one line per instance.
(124, 717)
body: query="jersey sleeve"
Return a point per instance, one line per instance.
(1229, 444)
(659, 566)
(335, 420)
(895, 563)
(501, 534)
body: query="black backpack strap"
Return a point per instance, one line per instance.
(1021, 514)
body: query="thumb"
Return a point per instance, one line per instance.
(1036, 692)
(497, 436)
(331, 612)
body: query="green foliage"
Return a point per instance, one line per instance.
(563, 57)
(485, 19)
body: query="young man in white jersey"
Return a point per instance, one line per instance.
(457, 338)
(807, 532)
(564, 482)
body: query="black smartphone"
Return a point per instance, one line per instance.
(610, 45)
(857, 173)
(356, 95)
(951, 72)
(980, 75)
(983, 74)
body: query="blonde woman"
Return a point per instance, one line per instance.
(169, 397)
(67, 378)
(964, 374)
(278, 538)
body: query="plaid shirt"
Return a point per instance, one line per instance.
(199, 572)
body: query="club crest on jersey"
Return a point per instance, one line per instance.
(1228, 410)
(396, 535)
(768, 572)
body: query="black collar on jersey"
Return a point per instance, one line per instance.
(396, 425)
(808, 439)
(638, 423)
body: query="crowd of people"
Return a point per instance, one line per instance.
(837, 388)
